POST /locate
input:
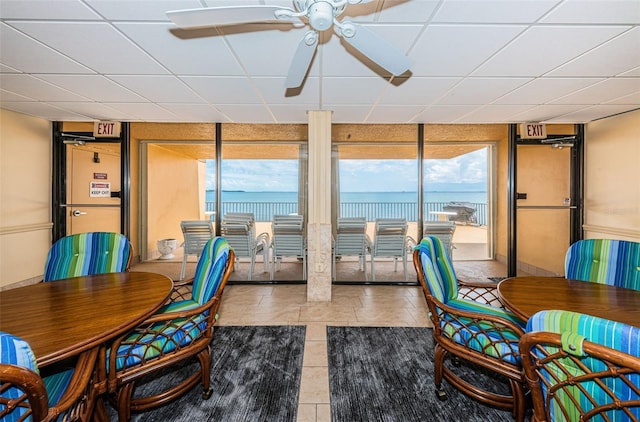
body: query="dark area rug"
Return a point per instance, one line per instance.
(496, 279)
(386, 374)
(255, 375)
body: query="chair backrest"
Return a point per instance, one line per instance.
(22, 391)
(605, 261)
(288, 235)
(351, 236)
(196, 234)
(208, 278)
(239, 230)
(439, 275)
(390, 238)
(579, 364)
(86, 254)
(443, 230)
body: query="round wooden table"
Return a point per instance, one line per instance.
(527, 295)
(63, 318)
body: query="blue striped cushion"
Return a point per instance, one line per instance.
(15, 351)
(438, 271)
(87, 254)
(606, 261)
(210, 269)
(614, 335)
(57, 384)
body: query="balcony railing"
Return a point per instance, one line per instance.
(264, 211)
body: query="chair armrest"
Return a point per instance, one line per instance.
(264, 239)
(486, 293)
(80, 386)
(411, 243)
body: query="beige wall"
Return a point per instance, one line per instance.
(612, 182)
(25, 197)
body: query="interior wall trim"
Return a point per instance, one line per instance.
(612, 231)
(25, 228)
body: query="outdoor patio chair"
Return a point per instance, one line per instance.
(87, 254)
(351, 239)
(67, 394)
(390, 240)
(240, 231)
(581, 367)
(605, 261)
(467, 327)
(196, 234)
(444, 231)
(288, 239)
(179, 331)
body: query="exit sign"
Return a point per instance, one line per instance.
(106, 129)
(533, 131)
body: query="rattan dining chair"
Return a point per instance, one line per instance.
(580, 367)
(87, 254)
(466, 326)
(65, 395)
(180, 330)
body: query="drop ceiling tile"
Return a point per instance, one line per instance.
(352, 90)
(28, 55)
(544, 90)
(443, 114)
(184, 52)
(155, 10)
(9, 97)
(93, 87)
(273, 91)
(480, 91)
(144, 112)
(543, 113)
(347, 113)
(98, 46)
(223, 90)
(631, 99)
(496, 114)
(173, 90)
(37, 89)
(602, 92)
(416, 90)
(246, 113)
(46, 9)
(395, 11)
(612, 58)
(456, 50)
(595, 11)
(95, 111)
(5, 68)
(632, 73)
(589, 114)
(267, 50)
(43, 111)
(285, 113)
(530, 55)
(496, 11)
(394, 114)
(202, 113)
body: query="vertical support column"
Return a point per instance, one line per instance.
(319, 211)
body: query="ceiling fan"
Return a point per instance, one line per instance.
(320, 15)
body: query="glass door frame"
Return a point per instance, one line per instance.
(576, 184)
(59, 175)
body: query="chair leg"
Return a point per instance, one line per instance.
(123, 399)
(518, 400)
(373, 271)
(438, 369)
(183, 270)
(253, 263)
(205, 365)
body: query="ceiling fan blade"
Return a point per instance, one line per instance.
(302, 60)
(375, 47)
(230, 15)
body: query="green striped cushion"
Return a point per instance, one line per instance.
(87, 254)
(438, 271)
(614, 335)
(605, 261)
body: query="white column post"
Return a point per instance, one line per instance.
(319, 211)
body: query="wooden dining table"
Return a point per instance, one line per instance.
(63, 318)
(529, 294)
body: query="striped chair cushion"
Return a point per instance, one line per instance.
(87, 254)
(606, 261)
(210, 268)
(438, 270)
(611, 334)
(483, 337)
(57, 384)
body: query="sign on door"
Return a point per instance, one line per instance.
(100, 190)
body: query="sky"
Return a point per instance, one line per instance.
(355, 175)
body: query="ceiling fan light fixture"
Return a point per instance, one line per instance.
(321, 15)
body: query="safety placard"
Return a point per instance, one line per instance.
(100, 190)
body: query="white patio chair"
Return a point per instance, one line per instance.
(444, 231)
(351, 239)
(239, 229)
(390, 240)
(196, 234)
(288, 240)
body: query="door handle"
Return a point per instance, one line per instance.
(78, 213)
